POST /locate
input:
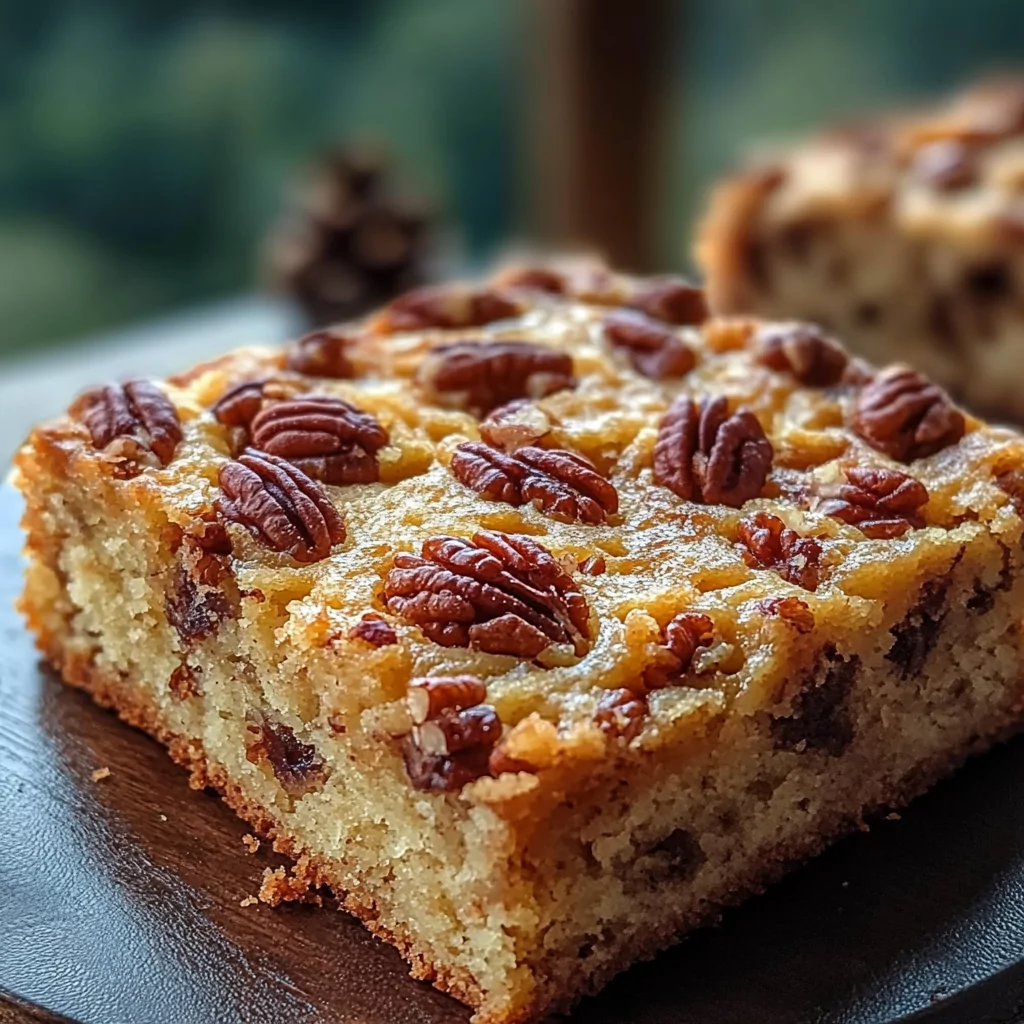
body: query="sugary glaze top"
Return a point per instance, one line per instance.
(595, 518)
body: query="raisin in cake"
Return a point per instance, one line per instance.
(540, 619)
(905, 237)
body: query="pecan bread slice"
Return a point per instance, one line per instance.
(540, 618)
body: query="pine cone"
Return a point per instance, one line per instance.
(347, 244)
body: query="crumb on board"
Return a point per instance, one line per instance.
(99, 774)
(894, 817)
(251, 843)
(278, 886)
(163, 817)
(249, 901)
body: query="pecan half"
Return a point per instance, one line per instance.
(322, 354)
(439, 773)
(480, 376)
(770, 544)
(501, 593)
(803, 350)
(446, 307)
(881, 503)
(515, 425)
(905, 415)
(239, 404)
(586, 282)
(428, 696)
(136, 413)
(791, 610)
(621, 714)
(705, 454)
(374, 630)
(561, 484)
(281, 506)
(453, 735)
(453, 731)
(541, 279)
(685, 634)
(672, 299)
(326, 437)
(654, 349)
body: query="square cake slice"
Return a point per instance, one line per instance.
(539, 619)
(905, 236)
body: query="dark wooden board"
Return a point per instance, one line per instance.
(119, 900)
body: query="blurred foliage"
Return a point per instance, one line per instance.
(144, 144)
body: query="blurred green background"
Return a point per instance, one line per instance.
(144, 146)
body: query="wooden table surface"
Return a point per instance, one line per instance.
(120, 900)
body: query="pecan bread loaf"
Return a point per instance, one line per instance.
(539, 619)
(905, 237)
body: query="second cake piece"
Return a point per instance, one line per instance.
(904, 236)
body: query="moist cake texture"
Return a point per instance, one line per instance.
(904, 236)
(541, 618)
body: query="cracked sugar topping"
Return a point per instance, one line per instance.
(557, 514)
